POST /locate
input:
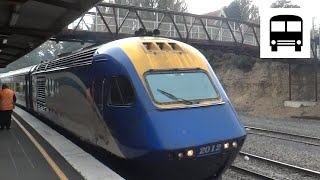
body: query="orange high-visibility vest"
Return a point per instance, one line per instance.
(6, 99)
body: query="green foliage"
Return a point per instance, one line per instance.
(233, 10)
(243, 10)
(283, 4)
(174, 5)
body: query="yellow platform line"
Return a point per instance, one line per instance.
(53, 165)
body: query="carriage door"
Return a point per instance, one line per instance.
(26, 89)
(99, 83)
(98, 94)
(104, 96)
(96, 86)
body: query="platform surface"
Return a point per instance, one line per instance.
(20, 157)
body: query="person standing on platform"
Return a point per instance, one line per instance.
(7, 102)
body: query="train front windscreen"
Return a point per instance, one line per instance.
(185, 87)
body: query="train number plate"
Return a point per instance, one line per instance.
(209, 149)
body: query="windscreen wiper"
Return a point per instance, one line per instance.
(171, 96)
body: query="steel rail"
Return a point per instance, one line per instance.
(284, 133)
(250, 173)
(286, 139)
(293, 167)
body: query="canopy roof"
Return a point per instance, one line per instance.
(26, 24)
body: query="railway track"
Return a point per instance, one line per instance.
(279, 164)
(255, 175)
(309, 140)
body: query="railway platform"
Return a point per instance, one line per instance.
(32, 150)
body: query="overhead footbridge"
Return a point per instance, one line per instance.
(108, 21)
(26, 24)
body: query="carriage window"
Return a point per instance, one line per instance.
(121, 92)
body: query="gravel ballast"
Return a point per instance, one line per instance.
(295, 153)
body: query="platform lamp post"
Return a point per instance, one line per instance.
(315, 57)
(313, 46)
(318, 43)
(316, 60)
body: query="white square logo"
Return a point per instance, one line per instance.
(285, 33)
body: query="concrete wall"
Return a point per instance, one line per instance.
(303, 82)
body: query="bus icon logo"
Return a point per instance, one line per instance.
(285, 33)
(286, 30)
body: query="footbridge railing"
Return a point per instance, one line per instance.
(109, 21)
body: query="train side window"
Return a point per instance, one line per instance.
(121, 92)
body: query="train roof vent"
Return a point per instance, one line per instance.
(175, 47)
(69, 61)
(163, 46)
(150, 46)
(42, 67)
(41, 94)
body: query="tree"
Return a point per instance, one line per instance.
(283, 4)
(243, 10)
(174, 5)
(233, 10)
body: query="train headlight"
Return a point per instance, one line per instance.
(273, 42)
(235, 144)
(226, 145)
(180, 155)
(298, 42)
(190, 153)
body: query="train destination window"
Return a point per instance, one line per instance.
(181, 87)
(121, 92)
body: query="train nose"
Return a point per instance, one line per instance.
(206, 167)
(197, 126)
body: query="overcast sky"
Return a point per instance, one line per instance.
(205, 6)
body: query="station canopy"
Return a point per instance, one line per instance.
(26, 24)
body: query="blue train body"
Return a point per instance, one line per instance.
(83, 93)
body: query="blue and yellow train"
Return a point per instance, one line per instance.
(150, 99)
